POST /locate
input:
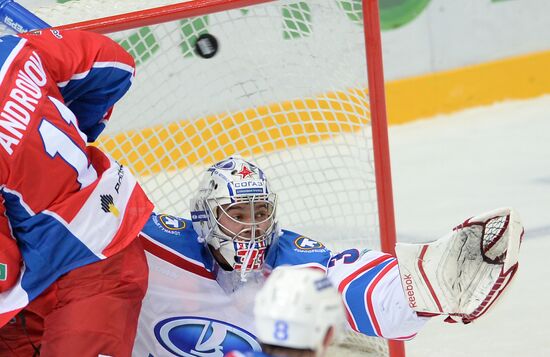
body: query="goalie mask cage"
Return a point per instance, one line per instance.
(295, 86)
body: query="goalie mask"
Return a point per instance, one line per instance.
(234, 213)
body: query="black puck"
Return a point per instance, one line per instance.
(206, 46)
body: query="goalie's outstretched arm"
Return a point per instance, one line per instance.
(373, 296)
(460, 275)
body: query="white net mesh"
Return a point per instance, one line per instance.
(286, 89)
(83, 10)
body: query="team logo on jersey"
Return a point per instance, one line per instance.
(108, 205)
(191, 336)
(304, 243)
(171, 223)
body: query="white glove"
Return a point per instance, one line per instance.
(463, 273)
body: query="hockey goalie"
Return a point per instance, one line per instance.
(207, 271)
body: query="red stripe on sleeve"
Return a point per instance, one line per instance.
(359, 271)
(174, 259)
(345, 282)
(380, 275)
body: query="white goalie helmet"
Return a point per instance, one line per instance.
(234, 212)
(296, 307)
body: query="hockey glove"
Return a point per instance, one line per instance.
(463, 273)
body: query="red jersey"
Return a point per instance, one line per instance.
(66, 204)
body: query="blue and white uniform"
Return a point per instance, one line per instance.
(187, 313)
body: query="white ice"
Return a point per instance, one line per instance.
(451, 167)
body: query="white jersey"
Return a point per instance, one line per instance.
(187, 313)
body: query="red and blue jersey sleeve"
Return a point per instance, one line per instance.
(92, 73)
(368, 282)
(373, 296)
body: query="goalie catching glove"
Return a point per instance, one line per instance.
(463, 273)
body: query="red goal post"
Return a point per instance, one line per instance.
(294, 119)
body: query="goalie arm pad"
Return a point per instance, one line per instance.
(463, 273)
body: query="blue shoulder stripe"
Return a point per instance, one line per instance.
(9, 48)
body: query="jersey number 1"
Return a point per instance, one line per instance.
(56, 142)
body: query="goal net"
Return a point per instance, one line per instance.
(283, 84)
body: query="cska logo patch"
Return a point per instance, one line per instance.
(245, 172)
(108, 205)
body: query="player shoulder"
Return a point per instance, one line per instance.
(173, 232)
(300, 243)
(165, 224)
(295, 249)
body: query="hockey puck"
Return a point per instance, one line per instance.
(206, 46)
